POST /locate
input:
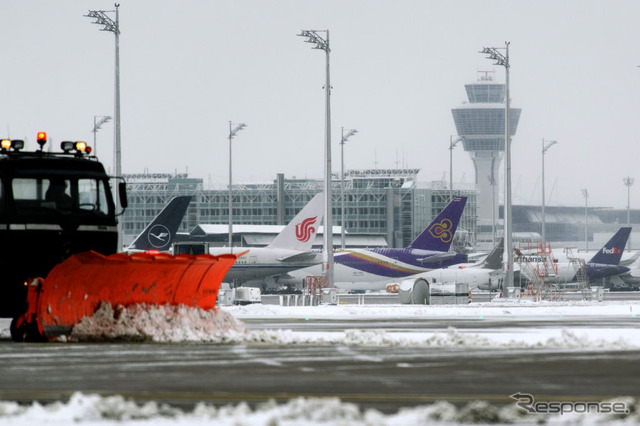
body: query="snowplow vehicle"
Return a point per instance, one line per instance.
(58, 256)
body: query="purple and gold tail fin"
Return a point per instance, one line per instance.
(439, 234)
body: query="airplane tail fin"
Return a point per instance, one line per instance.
(159, 234)
(494, 258)
(612, 251)
(300, 233)
(439, 234)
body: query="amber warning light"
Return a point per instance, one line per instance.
(79, 147)
(42, 139)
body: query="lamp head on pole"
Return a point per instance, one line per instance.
(236, 129)
(103, 120)
(101, 18)
(347, 135)
(453, 142)
(549, 144)
(494, 54)
(314, 37)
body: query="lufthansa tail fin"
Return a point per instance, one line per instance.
(300, 233)
(159, 234)
(494, 258)
(611, 253)
(439, 234)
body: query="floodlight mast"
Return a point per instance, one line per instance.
(233, 131)
(452, 143)
(494, 53)
(327, 252)
(585, 194)
(101, 18)
(628, 181)
(545, 148)
(345, 137)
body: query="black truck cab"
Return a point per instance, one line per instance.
(52, 205)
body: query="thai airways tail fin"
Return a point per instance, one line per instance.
(300, 233)
(439, 234)
(159, 234)
(611, 252)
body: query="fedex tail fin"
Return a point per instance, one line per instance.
(611, 253)
(300, 233)
(439, 234)
(159, 234)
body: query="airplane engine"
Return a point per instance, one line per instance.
(494, 283)
(414, 292)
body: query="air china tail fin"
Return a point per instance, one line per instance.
(439, 234)
(159, 234)
(300, 233)
(611, 253)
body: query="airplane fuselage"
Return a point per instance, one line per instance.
(259, 263)
(362, 269)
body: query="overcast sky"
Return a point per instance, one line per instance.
(397, 69)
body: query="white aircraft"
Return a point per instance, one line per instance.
(372, 269)
(290, 250)
(486, 274)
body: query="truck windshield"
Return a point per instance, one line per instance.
(62, 194)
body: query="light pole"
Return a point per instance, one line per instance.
(327, 252)
(585, 194)
(494, 183)
(345, 136)
(452, 144)
(101, 18)
(232, 132)
(545, 147)
(97, 125)
(628, 181)
(503, 60)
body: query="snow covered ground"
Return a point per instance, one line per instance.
(94, 410)
(567, 326)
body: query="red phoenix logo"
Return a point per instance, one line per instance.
(305, 228)
(442, 230)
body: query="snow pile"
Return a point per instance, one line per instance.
(495, 310)
(115, 410)
(186, 324)
(166, 323)
(571, 340)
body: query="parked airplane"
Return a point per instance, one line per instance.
(371, 269)
(290, 250)
(486, 274)
(604, 264)
(159, 234)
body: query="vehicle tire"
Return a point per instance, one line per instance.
(32, 334)
(18, 334)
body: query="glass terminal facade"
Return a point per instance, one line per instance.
(389, 202)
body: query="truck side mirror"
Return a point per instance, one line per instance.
(122, 191)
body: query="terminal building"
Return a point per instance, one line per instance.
(387, 204)
(383, 207)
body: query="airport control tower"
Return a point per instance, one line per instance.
(481, 124)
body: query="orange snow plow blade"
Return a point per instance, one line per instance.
(76, 287)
